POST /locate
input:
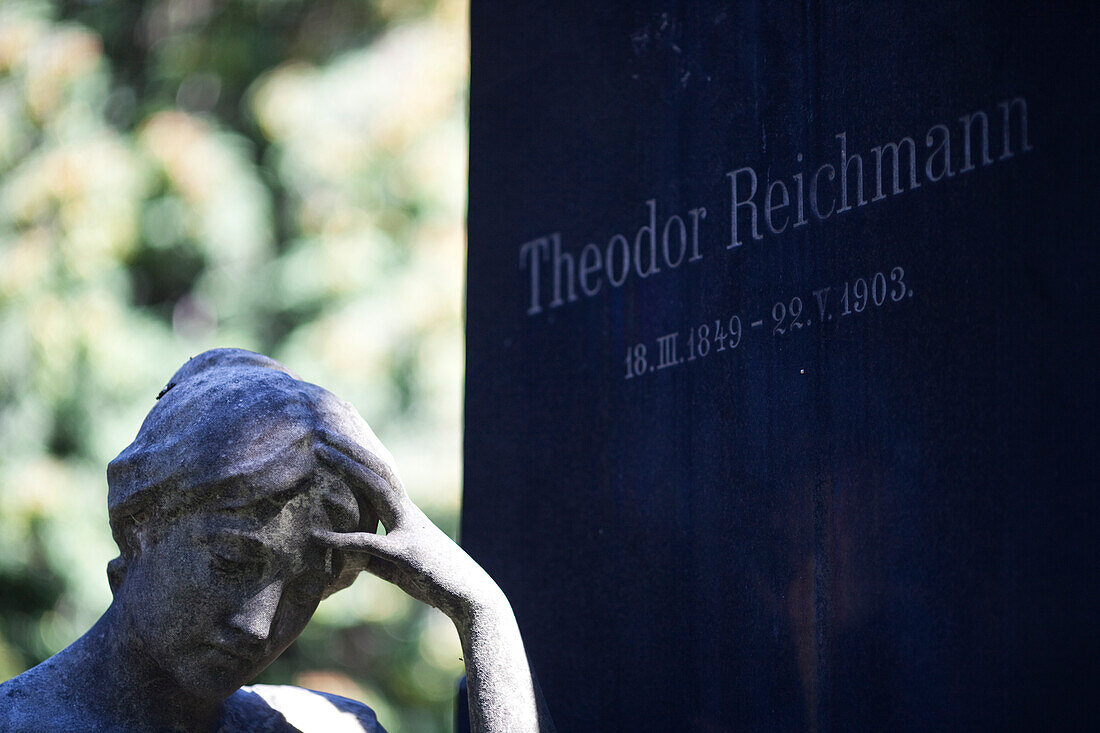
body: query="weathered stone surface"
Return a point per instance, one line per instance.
(247, 496)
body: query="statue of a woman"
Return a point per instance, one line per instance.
(247, 496)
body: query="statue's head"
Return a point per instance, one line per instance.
(213, 507)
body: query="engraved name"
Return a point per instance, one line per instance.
(556, 275)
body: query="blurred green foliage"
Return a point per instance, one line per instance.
(281, 175)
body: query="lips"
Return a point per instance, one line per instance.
(242, 655)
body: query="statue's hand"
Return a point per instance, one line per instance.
(414, 554)
(419, 558)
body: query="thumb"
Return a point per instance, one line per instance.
(380, 546)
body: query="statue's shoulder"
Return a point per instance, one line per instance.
(15, 703)
(286, 709)
(29, 702)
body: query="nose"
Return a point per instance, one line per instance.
(257, 614)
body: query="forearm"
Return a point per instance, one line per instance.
(504, 695)
(423, 561)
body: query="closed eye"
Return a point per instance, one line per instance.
(238, 555)
(231, 563)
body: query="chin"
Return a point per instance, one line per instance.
(215, 675)
(213, 689)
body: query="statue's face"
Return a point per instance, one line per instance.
(217, 595)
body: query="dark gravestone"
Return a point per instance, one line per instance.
(822, 457)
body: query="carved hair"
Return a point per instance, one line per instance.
(226, 415)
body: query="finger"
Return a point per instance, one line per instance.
(369, 487)
(379, 546)
(385, 570)
(359, 454)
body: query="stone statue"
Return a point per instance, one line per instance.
(247, 496)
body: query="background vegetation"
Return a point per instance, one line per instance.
(281, 175)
